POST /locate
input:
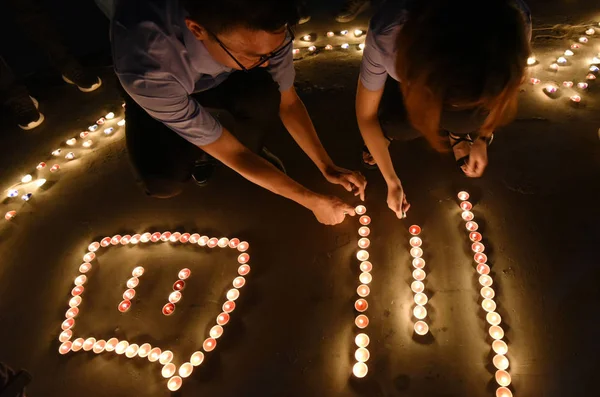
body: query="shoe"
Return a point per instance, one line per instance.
(351, 9)
(271, 158)
(25, 111)
(85, 81)
(203, 170)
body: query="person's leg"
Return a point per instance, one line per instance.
(351, 9)
(15, 97)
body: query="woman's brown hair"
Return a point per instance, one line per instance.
(463, 53)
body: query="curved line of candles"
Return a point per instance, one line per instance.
(488, 304)
(418, 287)
(131, 284)
(153, 353)
(360, 368)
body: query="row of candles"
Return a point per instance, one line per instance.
(176, 295)
(488, 304)
(361, 321)
(27, 184)
(311, 37)
(153, 354)
(551, 89)
(418, 287)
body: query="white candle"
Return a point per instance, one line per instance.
(65, 335)
(186, 370)
(531, 61)
(174, 383)
(232, 294)
(487, 293)
(503, 378)
(89, 344)
(216, 332)
(168, 370)
(416, 252)
(493, 318)
(488, 305)
(77, 344)
(500, 347)
(419, 274)
(239, 282)
(80, 280)
(111, 344)
(362, 355)
(360, 210)
(419, 263)
(144, 350)
(421, 327)
(496, 332)
(364, 243)
(197, 358)
(154, 355)
(363, 290)
(360, 370)
(503, 392)
(468, 215)
(99, 346)
(184, 273)
(420, 312)
(415, 241)
(362, 340)
(138, 271)
(362, 255)
(132, 350)
(121, 347)
(166, 357)
(365, 278)
(485, 280)
(133, 282)
(364, 231)
(500, 361)
(462, 195)
(75, 301)
(65, 347)
(420, 299)
(417, 287)
(366, 266)
(175, 296)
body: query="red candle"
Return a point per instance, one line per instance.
(414, 230)
(93, 247)
(480, 257)
(477, 247)
(68, 324)
(475, 236)
(361, 305)
(234, 243)
(78, 290)
(361, 321)
(105, 242)
(209, 344)
(213, 242)
(365, 220)
(463, 195)
(360, 210)
(185, 237)
(155, 237)
(243, 270)
(85, 267)
(126, 239)
(116, 239)
(222, 318)
(168, 309)
(135, 238)
(366, 266)
(466, 206)
(482, 268)
(165, 236)
(124, 305)
(65, 347)
(243, 258)
(243, 246)
(179, 285)
(72, 312)
(228, 306)
(175, 237)
(471, 226)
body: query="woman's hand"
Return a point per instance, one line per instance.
(396, 200)
(478, 159)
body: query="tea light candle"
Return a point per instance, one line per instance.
(567, 84)
(482, 268)
(496, 332)
(197, 358)
(500, 347)
(13, 193)
(65, 347)
(487, 292)
(239, 282)
(65, 336)
(330, 34)
(165, 236)
(361, 46)
(569, 53)
(363, 290)
(232, 294)
(534, 81)
(362, 340)
(365, 278)
(561, 60)
(582, 86)
(361, 321)
(364, 243)
(56, 152)
(416, 252)
(243, 258)
(132, 350)
(590, 31)
(361, 305)
(144, 350)
(72, 312)
(358, 32)
(307, 37)
(344, 32)
(554, 66)
(121, 123)
(174, 383)
(78, 290)
(503, 392)
(583, 40)
(168, 370)
(111, 344)
(485, 280)
(40, 166)
(467, 215)
(80, 280)
(414, 230)
(89, 344)
(312, 48)
(595, 60)
(154, 355)
(174, 297)
(116, 239)
(345, 46)
(135, 239)
(366, 266)
(362, 354)
(594, 68)
(223, 242)
(222, 319)
(77, 344)
(179, 285)
(89, 257)
(477, 247)
(360, 370)
(360, 210)
(502, 377)
(92, 128)
(185, 370)
(216, 331)
(466, 206)
(421, 327)
(109, 131)
(209, 344)
(488, 305)
(462, 195)
(415, 241)
(493, 318)
(228, 306)
(296, 51)
(243, 246)
(168, 309)
(124, 305)
(133, 282)
(166, 357)
(195, 237)
(421, 299)
(500, 362)
(176, 236)
(418, 263)
(530, 61)
(420, 312)
(184, 273)
(418, 274)
(471, 226)
(155, 237)
(362, 255)
(417, 287)
(364, 220)
(70, 156)
(10, 214)
(138, 271)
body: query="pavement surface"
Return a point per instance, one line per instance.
(292, 331)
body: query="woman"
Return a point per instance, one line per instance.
(460, 65)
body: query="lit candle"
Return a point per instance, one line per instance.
(243, 246)
(77, 344)
(312, 48)
(132, 350)
(216, 331)
(121, 123)
(185, 370)
(72, 312)
(500, 361)
(487, 292)
(420, 298)
(360, 210)
(168, 309)
(65, 347)
(591, 76)
(500, 347)
(209, 344)
(503, 378)
(228, 306)
(124, 305)
(13, 193)
(488, 305)
(194, 238)
(358, 32)
(415, 242)
(109, 131)
(166, 236)
(366, 266)
(365, 278)
(466, 206)
(594, 68)
(362, 255)
(89, 344)
(482, 268)
(185, 237)
(168, 370)
(420, 312)
(111, 344)
(40, 166)
(496, 332)
(330, 34)
(360, 370)
(362, 355)
(166, 357)
(477, 247)
(144, 350)
(421, 327)
(135, 239)
(223, 242)
(363, 290)
(530, 61)
(364, 243)
(307, 37)
(467, 215)
(471, 226)
(138, 271)
(239, 282)
(503, 392)
(361, 305)
(418, 274)
(197, 358)
(534, 81)
(116, 239)
(575, 46)
(222, 318)
(155, 237)
(10, 214)
(364, 231)
(154, 355)
(174, 383)
(184, 273)
(595, 60)
(133, 282)
(414, 230)
(590, 31)
(65, 335)
(462, 195)
(583, 40)
(344, 32)
(92, 128)
(70, 156)
(99, 346)
(296, 51)
(179, 285)
(26, 197)
(232, 294)
(561, 60)
(243, 258)
(78, 290)
(419, 263)
(569, 53)
(365, 220)
(110, 116)
(26, 179)
(361, 321)
(80, 280)
(145, 237)
(417, 287)
(550, 88)
(175, 297)
(493, 318)
(576, 98)
(361, 46)
(362, 340)
(582, 86)
(567, 84)
(554, 66)
(416, 252)
(56, 152)
(485, 280)
(175, 237)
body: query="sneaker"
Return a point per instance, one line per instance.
(203, 170)
(85, 81)
(351, 9)
(271, 158)
(25, 111)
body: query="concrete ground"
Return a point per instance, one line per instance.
(292, 331)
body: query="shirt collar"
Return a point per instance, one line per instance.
(200, 58)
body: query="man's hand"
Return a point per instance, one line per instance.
(331, 210)
(478, 160)
(396, 200)
(352, 181)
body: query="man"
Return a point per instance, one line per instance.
(175, 60)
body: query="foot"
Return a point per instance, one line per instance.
(25, 111)
(351, 9)
(271, 158)
(83, 79)
(203, 170)
(461, 146)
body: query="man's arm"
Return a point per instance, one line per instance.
(298, 123)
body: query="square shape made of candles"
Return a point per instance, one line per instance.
(133, 284)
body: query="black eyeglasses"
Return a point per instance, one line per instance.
(289, 40)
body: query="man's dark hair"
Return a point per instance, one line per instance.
(221, 15)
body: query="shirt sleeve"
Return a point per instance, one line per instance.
(282, 69)
(167, 101)
(372, 73)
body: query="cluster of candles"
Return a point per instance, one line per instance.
(312, 37)
(417, 286)
(27, 184)
(169, 370)
(551, 89)
(131, 283)
(488, 304)
(361, 321)
(176, 295)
